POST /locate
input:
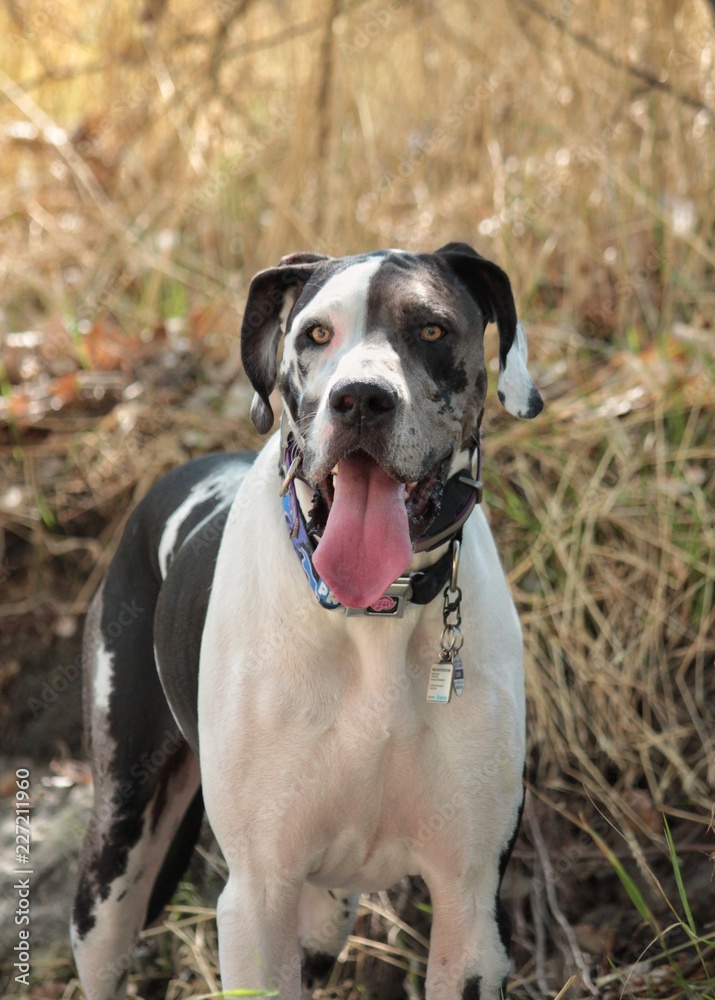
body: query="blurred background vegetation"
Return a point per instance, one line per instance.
(154, 156)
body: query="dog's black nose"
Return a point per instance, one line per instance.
(362, 402)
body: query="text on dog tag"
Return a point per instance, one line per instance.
(439, 689)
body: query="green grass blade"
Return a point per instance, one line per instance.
(678, 877)
(627, 882)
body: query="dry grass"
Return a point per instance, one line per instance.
(199, 145)
(155, 155)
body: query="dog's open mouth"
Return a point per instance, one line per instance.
(367, 521)
(423, 499)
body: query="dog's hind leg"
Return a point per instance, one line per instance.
(147, 807)
(325, 918)
(132, 861)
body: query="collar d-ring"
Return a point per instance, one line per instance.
(456, 547)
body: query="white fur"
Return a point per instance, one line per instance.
(324, 919)
(341, 302)
(343, 298)
(515, 385)
(102, 682)
(354, 780)
(204, 490)
(99, 661)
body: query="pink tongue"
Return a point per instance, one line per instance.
(366, 543)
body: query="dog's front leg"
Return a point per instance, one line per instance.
(468, 959)
(258, 936)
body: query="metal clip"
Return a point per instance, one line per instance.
(451, 607)
(391, 604)
(451, 640)
(456, 548)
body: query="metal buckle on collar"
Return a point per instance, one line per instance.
(476, 485)
(391, 604)
(475, 480)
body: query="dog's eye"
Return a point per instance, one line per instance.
(319, 334)
(431, 333)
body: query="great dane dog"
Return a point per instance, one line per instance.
(320, 641)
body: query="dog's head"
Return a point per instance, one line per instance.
(382, 373)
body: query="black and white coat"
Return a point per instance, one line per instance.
(324, 770)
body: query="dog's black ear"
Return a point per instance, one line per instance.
(268, 295)
(489, 286)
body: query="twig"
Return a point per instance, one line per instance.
(272, 41)
(326, 65)
(67, 73)
(57, 137)
(167, 90)
(558, 914)
(538, 913)
(285, 35)
(394, 919)
(696, 242)
(564, 989)
(640, 72)
(220, 40)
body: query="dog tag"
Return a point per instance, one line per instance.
(458, 681)
(439, 689)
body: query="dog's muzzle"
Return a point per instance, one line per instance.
(365, 522)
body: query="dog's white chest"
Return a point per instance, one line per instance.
(365, 839)
(350, 777)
